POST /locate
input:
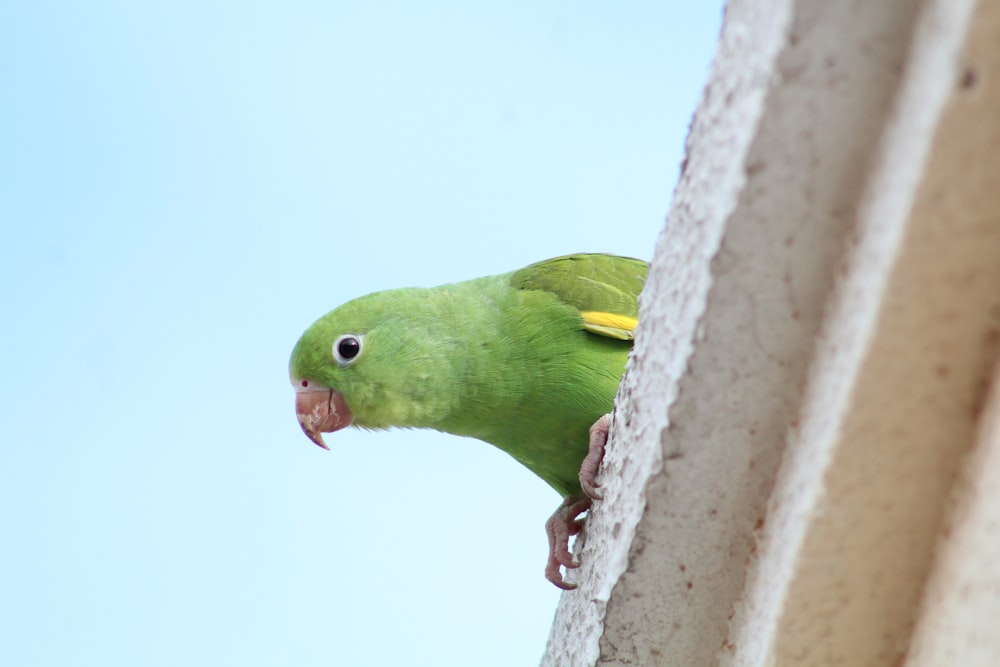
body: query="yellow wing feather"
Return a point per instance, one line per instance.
(609, 324)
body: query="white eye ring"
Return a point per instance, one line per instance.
(347, 349)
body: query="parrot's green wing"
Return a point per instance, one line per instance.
(604, 288)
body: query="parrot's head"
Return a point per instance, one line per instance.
(361, 364)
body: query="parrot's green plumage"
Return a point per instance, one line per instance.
(508, 359)
(527, 361)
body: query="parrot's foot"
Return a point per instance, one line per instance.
(565, 522)
(588, 469)
(560, 526)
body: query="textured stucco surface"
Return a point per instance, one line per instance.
(958, 625)
(781, 291)
(889, 410)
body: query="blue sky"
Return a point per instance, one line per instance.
(184, 188)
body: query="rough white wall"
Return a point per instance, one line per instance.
(812, 219)
(670, 313)
(853, 519)
(962, 605)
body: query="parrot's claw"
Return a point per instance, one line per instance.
(565, 522)
(560, 527)
(588, 469)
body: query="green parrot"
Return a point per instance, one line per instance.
(528, 361)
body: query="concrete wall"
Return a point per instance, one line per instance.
(804, 465)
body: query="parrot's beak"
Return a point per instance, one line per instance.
(320, 410)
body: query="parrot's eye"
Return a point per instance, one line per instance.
(347, 348)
